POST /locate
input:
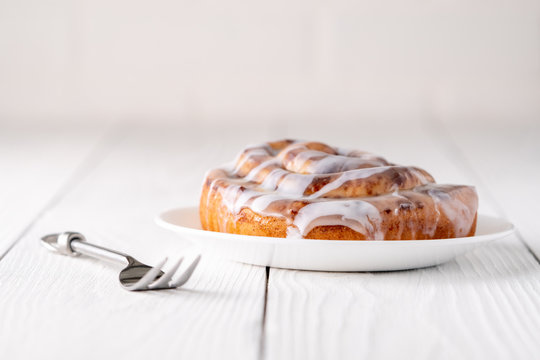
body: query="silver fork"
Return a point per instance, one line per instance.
(136, 276)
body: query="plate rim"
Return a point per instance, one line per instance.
(160, 221)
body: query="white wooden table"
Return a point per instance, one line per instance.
(109, 182)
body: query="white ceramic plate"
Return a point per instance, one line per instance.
(330, 255)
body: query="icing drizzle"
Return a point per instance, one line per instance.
(328, 186)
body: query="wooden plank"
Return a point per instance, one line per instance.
(35, 165)
(60, 307)
(484, 304)
(505, 161)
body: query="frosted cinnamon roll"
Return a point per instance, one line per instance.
(311, 190)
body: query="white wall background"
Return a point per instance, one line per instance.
(242, 61)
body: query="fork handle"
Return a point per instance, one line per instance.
(99, 252)
(73, 244)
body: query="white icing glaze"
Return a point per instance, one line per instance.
(256, 170)
(250, 152)
(273, 178)
(293, 184)
(304, 156)
(293, 233)
(261, 203)
(347, 176)
(359, 215)
(455, 210)
(338, 163)
(420, 176)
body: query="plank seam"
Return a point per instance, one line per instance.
(263, 325)
(83, 169)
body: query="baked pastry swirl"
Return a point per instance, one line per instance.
(311, 190)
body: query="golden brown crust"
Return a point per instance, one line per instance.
(403, 216)
(215, 216)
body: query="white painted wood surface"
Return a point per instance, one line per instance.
(485, 304)
(59, 307)
(506, 161)
(35, 165)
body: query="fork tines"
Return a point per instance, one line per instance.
(152, 281)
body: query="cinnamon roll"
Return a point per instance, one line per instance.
(311, 190)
